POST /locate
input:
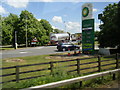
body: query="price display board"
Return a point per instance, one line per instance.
(88, 36)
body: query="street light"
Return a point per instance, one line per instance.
(15, 39)
(65, 26)
(26, 31)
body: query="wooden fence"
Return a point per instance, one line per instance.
(51, 67)
(74, 80)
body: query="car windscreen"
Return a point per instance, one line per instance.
(67, 44)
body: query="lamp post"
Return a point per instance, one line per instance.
(26, 31)
(15, 39)
(65, 26)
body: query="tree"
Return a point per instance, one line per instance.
(0, 30)
(27, 26)
(9, 26)
(110, 33)
(46, 26)
(96, 35)
(58, 31)
(30, 25)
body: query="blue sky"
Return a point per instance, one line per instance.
(62, 15)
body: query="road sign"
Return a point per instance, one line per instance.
(34, 41)
(87, 29)
(87, 11)
(88, 36)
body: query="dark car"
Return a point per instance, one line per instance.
(67, 46)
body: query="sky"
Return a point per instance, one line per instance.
(62, 14)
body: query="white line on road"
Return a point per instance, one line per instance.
(23, 52)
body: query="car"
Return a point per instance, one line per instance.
(67, 46)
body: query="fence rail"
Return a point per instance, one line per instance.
(73, 80)
(51, 67)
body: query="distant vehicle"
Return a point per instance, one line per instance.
(55, 38)
(67, 46)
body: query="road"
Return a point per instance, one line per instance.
(30, 51)
(44, 50)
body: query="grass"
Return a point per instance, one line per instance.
(93, 83)
(10, 48)
(59, 69)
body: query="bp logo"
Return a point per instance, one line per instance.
(85, 12)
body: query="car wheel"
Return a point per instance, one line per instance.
(58, 49)
(63, 49)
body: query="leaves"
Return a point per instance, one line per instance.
(110, 33)
(25, 25)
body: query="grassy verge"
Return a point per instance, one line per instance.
(58, 75)
(59, 70)
(10, 48)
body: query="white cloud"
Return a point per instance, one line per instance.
(97, 27)
(38, 19)
(54, 27)
(3, 11)
(95, 10)
(73, 27)
(74, 1)
(57, 19)
(17, 3)
(42, 0)
(65, 15)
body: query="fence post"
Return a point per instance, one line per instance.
(117, 61)
(81, 84)
(51, 67)
(114, 76)
(17, 74)
(78, 66)
(99, 63)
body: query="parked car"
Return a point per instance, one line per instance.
(66, 46)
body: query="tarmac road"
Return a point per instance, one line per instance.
(30, 51)
(44, 50)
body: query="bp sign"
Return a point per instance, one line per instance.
(85, 12)
(87, 29)
(88, 36)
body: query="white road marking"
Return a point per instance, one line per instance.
(38, 47)
(23, 52)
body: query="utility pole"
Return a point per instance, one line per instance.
(15, 39)
(26, 31)
(65, 26)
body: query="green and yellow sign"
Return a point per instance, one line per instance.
(88, 36)
(87, 30)
(85, 12)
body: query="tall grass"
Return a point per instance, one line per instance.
(60, 75)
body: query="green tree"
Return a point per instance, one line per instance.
(110, 33)
(46, 26)
(58, 31)
(30, 25)
(0, 30)
(26, 26)
(9, 26)
(47, 30)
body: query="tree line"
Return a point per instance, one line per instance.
(25, 22)
(109, 35)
